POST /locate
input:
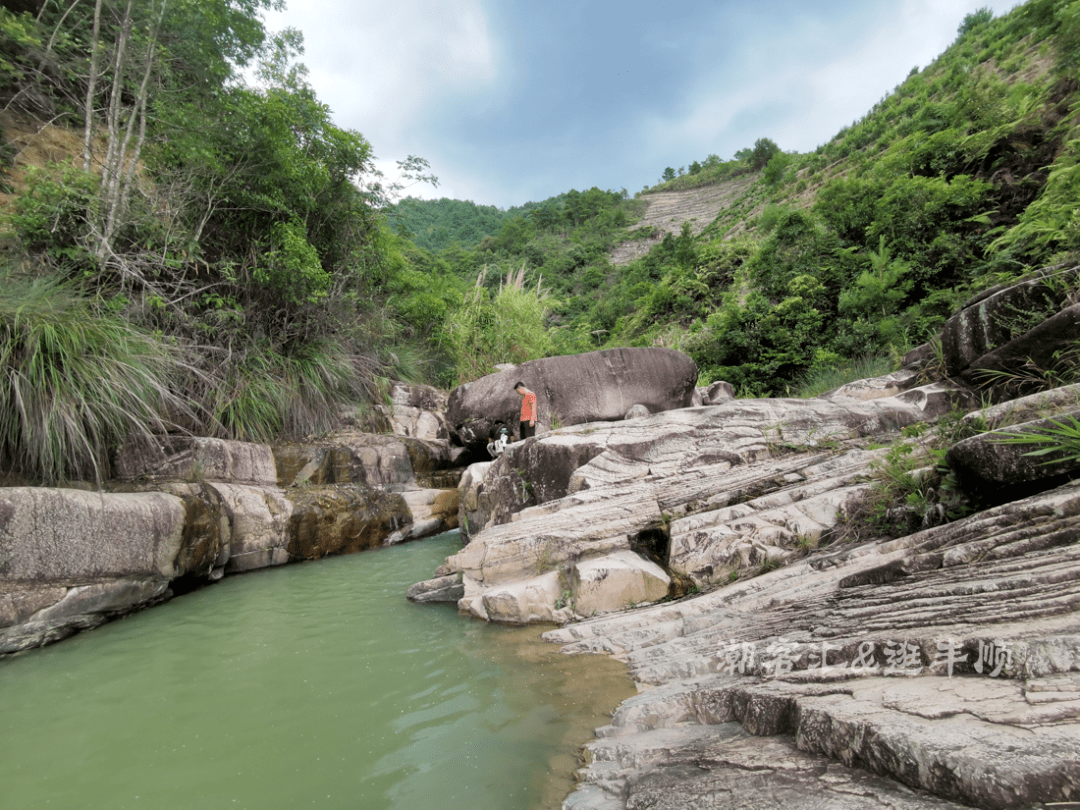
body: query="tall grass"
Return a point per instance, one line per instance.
(820, 379)
(75, 381)
(264, 393)
(508, 329)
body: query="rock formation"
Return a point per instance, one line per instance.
(196, 509)
(1013, 328)
(799, 657)
(948, 660)
(712, 491)
(595, 387)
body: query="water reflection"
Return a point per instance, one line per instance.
(314, 685)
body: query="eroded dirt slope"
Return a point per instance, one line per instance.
(668, 210)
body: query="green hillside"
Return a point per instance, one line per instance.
(436, 224)
(960, 178)
(231, 262)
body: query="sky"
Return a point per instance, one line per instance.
(512, 101)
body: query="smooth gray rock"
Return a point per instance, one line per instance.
(989, 462)
(888, 386)
(194, 458)
(20, 602)
(1040, 405)
(417, 411)
(57, 535)
(947, 660)
(79, 608)
(722, 766)
(615, 582)
(440, 589)
(259, 517)
(718, 392)
(571, 390)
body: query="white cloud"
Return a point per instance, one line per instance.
(803, 101)
(378, 64)
(405, 73)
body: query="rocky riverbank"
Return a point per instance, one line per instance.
(795, 654)
(185, 511)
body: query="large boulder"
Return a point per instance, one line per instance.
(67, 535)
(1009, 329)
(70, 559)
(595, 387)
(998, 463)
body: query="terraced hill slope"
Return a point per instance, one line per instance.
(667, 211)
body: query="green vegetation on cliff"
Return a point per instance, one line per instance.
(964, 176)
(243, 234)
(231, 230)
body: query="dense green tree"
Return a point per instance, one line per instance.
(763, 151)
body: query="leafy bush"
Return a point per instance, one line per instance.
(55, 215)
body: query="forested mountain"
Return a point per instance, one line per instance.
(229, 256)
(437, 224)
(963, 177)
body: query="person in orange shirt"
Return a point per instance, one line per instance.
(528, 410)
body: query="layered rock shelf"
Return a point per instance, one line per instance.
(186, 511)
(939, 669)
(785, 654)
(948, 661)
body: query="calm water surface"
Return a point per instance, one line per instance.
(312, 685)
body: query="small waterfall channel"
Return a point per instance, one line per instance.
(310, 685)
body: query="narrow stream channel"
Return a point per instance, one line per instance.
(312, 685)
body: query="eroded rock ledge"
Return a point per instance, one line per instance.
(937, 670)
(706, 492)
(186, 511)
(952, 665)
